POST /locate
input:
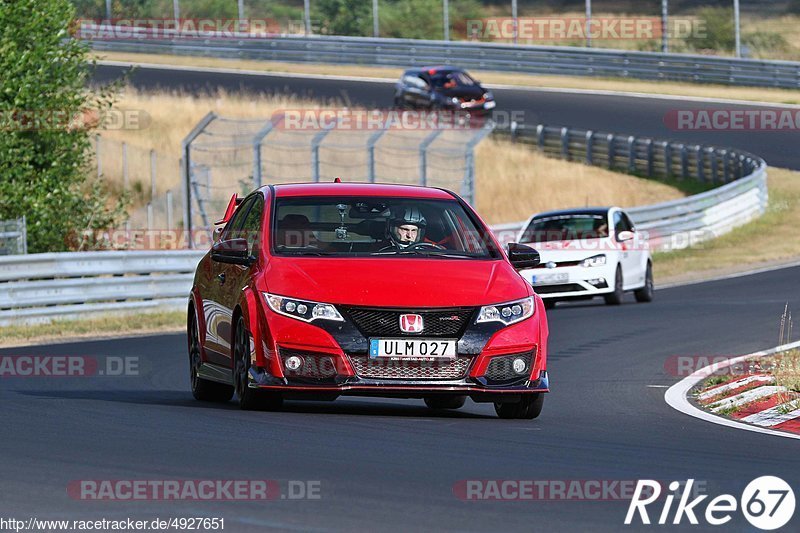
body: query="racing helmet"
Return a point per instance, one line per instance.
(405, 216)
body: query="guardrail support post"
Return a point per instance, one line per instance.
(726, 166)
(24, 230)
(565, 143)
(701, 163)
(632, 154)
(714, 165)
(684, 162)
(540, 133)
(610, 149)
(649, 145)
(590, 147)
(170, 220)
(667, 159)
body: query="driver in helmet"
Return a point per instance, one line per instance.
(405, 226)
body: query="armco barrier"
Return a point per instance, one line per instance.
(560, 60)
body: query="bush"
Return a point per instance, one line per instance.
(719, 30)
(43, 169)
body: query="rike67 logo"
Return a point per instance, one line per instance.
(767, 503)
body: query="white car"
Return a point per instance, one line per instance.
(588, 252)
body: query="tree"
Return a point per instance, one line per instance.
(344, 17)
(45, 161)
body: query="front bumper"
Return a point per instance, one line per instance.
(571, 281)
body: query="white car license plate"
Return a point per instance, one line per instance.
(550, 279)
(412, 348)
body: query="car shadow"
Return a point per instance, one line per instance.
(342, 406)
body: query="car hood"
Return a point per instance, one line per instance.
(397, 282)
(466, 92)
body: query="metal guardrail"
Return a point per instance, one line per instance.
(42, 287)
(13, 237)
(740, 197)
(559, 60)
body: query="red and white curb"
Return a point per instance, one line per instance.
(760, 422)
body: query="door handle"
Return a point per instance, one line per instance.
(221, 277)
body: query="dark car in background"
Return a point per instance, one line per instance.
(442, 88)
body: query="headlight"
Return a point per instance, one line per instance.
(488, 95)
(594, 261)
(455, 100)
(508, 313)
(302, 309)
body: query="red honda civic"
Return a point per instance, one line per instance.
(313, 291)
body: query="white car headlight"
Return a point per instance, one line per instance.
(305, 310)
(508, 313)
(594, 261)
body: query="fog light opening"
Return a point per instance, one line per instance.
(519, 365)
(293, 363)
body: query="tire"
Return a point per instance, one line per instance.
(528, 408)
(615, 298)
(645, 294)
(249, 399)
(446, 402)
(202, 389)
(549, 303)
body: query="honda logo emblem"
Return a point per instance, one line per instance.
(411, 323)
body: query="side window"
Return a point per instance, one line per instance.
(628, 222)
(235, 223)
(621, 223)
(251, 227)
(412, 80)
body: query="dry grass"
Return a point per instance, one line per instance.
(515, 181)
(771, 239)
(93, 328)
(503, 169)
(787, 370)
(780, 96)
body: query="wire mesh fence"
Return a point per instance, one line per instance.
(13, 237)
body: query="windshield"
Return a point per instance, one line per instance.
(451, 79)
(377, 227)
(566, 228)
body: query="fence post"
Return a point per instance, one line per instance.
(169, 210)
(153, 161)
(565, 143)
(714, 165)
(186, 165)
(726, 166)
(315, 142)
(258, 139)
(631, 154)
(650, 158)
(24, 235)
(371, 142)
(590, 147)
(423, 156)
(468, 186)
(610, 150)
(149, 216)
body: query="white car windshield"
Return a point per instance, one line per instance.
(566, 227)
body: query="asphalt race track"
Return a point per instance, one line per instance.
(609, 113)
(392, 464)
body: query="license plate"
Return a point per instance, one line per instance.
(550, 279)
(412, 348)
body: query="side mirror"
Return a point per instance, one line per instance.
(233, 251)
(522, 256)
(623, 236)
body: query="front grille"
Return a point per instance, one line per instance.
(387, 368)
(317, 366)
(558, 264)
(386, 322)
(501, 367)
(552, 289)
